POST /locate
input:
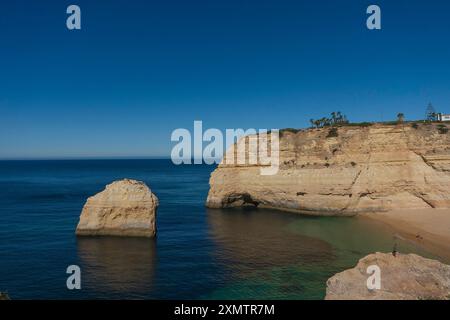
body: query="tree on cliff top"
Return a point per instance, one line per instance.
(336, 119)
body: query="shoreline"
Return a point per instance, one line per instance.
(426, 228)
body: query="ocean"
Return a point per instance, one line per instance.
(198, 253)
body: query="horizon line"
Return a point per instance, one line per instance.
(62, 158)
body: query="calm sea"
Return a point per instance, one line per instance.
(198, 253)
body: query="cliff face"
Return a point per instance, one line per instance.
(125, 208)
(373, 168)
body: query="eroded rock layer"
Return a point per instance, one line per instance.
(372, 168)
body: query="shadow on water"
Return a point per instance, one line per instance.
(266, 258)
(279, 255)
(261, 239)
(114, 265)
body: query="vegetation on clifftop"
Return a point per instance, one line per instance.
(339, 119)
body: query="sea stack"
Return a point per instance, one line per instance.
(343, 171)
(402, 277)
(125, 208)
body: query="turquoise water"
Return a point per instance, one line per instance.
(292, 256)
(198, 253)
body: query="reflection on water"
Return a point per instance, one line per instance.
(252, 254)
(262, 239)
(117, 265)
(199, 253)
(266, 258)
(279, 255)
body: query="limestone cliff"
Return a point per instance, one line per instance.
(124, 208)
(353, 169)
(403, 277)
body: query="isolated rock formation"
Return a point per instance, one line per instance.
(403, 277)
(124, 208)
(363, 168)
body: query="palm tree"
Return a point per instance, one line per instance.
(312, 122)
(339, 117)
(333, 116)
(400, 117)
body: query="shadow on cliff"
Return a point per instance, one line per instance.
(117, 265)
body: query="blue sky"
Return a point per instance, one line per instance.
(140, 69)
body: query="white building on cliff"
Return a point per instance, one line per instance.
(443, 117)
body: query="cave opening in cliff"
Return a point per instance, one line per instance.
(241, 199)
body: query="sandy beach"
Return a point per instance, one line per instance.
(429, 228)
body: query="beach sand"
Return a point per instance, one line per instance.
(428, 228)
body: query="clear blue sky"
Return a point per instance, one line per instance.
(139, 69)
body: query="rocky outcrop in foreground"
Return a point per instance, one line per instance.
(403, 277)
(4, 296)
(343, 170)
(124, 208)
